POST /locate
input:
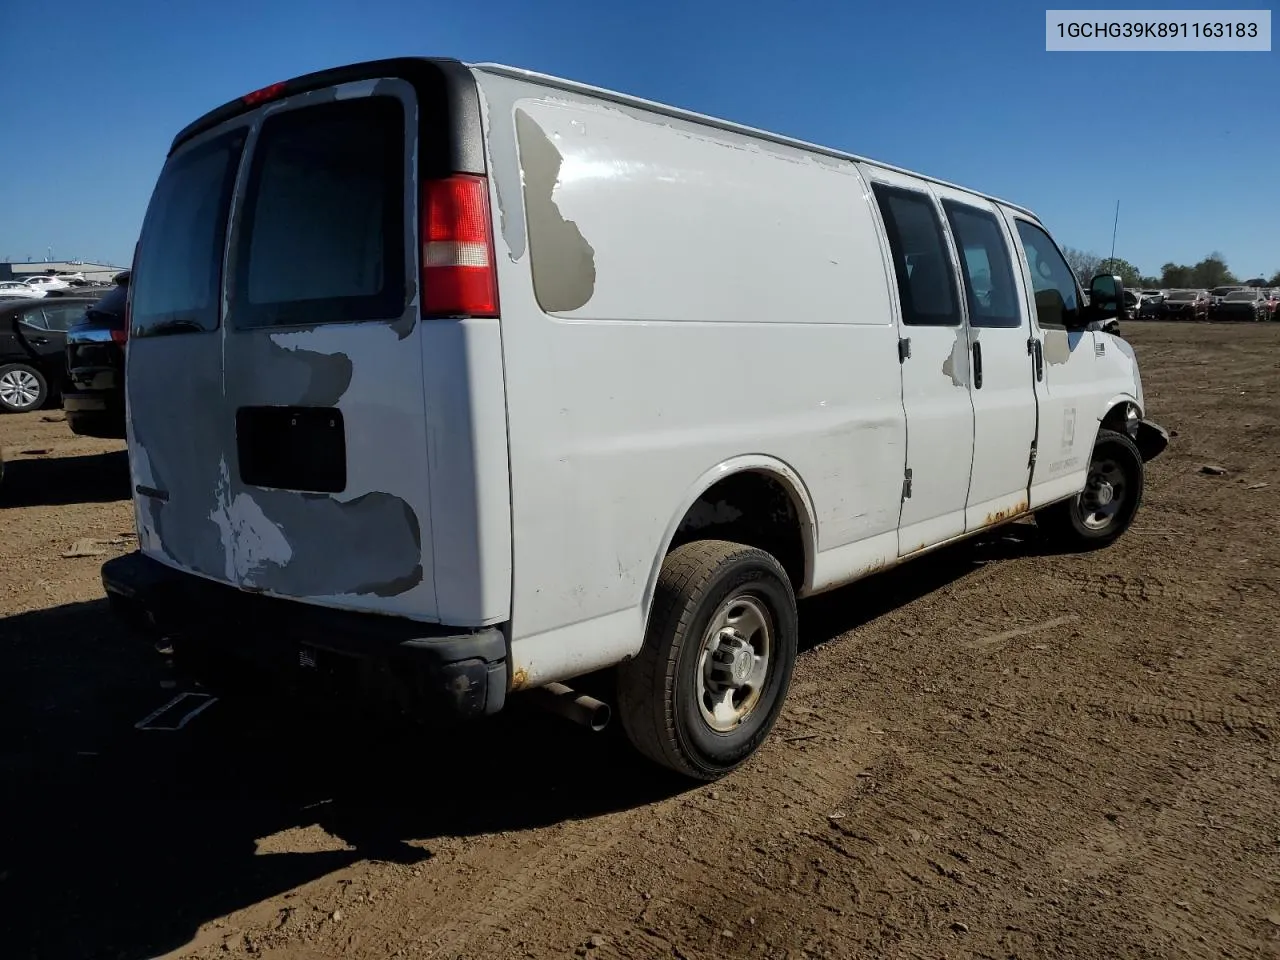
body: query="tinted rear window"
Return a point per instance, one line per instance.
(111, 306)
(322, 229)
(178, 277)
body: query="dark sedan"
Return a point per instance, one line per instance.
(94, 398)
(32, 349)
(1250, 305)
(1185, 305)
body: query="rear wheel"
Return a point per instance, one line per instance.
(710, 681)
(1105, 509)
(22, 388)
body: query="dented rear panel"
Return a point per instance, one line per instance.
(293, 422)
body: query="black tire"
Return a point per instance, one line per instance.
(658, 697)
(1071, 525)
(27, 374)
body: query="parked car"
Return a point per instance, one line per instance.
(46, 282)
(1271, 305)
(32, 350)
(94, 395)
(465, 409)
(1185, 305)
(17, 290)
(1149, 308)
(1246, 304)
(1132, 304)
(1217, 293)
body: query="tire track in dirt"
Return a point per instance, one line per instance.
(483, 916)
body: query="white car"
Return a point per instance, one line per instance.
(16, 288)
(522, 380)
(47, 282)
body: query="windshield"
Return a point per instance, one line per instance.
(1222, 291)
(1183, 295)
(1242, 295)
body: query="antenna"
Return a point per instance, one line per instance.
(1114, 227)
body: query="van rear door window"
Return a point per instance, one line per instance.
(322, 228)
(178, 275)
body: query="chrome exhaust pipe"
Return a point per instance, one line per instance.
(568, 703)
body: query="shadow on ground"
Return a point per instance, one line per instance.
(120, 843)
(54, 481)
(829, 615)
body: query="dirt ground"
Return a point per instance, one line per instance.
(993, 752)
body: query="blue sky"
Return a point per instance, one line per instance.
(1189, 142)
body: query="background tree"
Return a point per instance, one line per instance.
(1175, 275)
(1212, 272)
(1083, 264)
(1123, 269)
(1275, 280)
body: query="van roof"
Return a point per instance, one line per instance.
(603, 93)
(336, 75)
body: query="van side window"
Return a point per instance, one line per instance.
(322, 229)
(926, 282)
(988, 270)
(1057, 298)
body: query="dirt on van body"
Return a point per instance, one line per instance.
(993, 752)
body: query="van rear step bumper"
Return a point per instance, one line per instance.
(435, 671)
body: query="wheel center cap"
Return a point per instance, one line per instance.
(1104, 494)
(732, 662)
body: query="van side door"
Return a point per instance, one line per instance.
(1001, 361)
(933, 351)
(1066, 370)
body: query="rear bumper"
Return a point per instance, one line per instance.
(95, 413)
(439, 671)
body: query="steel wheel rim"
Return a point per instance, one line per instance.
(19, 388)
(734, 662)
(1104, 494)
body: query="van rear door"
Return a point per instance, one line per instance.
(275, 375)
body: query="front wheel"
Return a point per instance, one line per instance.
(1105, 509)
(710, 681)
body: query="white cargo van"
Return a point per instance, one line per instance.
(486, 380)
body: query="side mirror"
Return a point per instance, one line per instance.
(1106, 297)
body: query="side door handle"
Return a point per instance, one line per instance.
(977, 365)
(1036, 348)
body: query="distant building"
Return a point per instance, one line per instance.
(102, 272)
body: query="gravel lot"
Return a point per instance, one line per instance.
(992, 752)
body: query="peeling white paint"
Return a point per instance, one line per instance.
(249, 538)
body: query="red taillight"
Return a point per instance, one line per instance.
(459, 278)
(120, 336)
(263, 95)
